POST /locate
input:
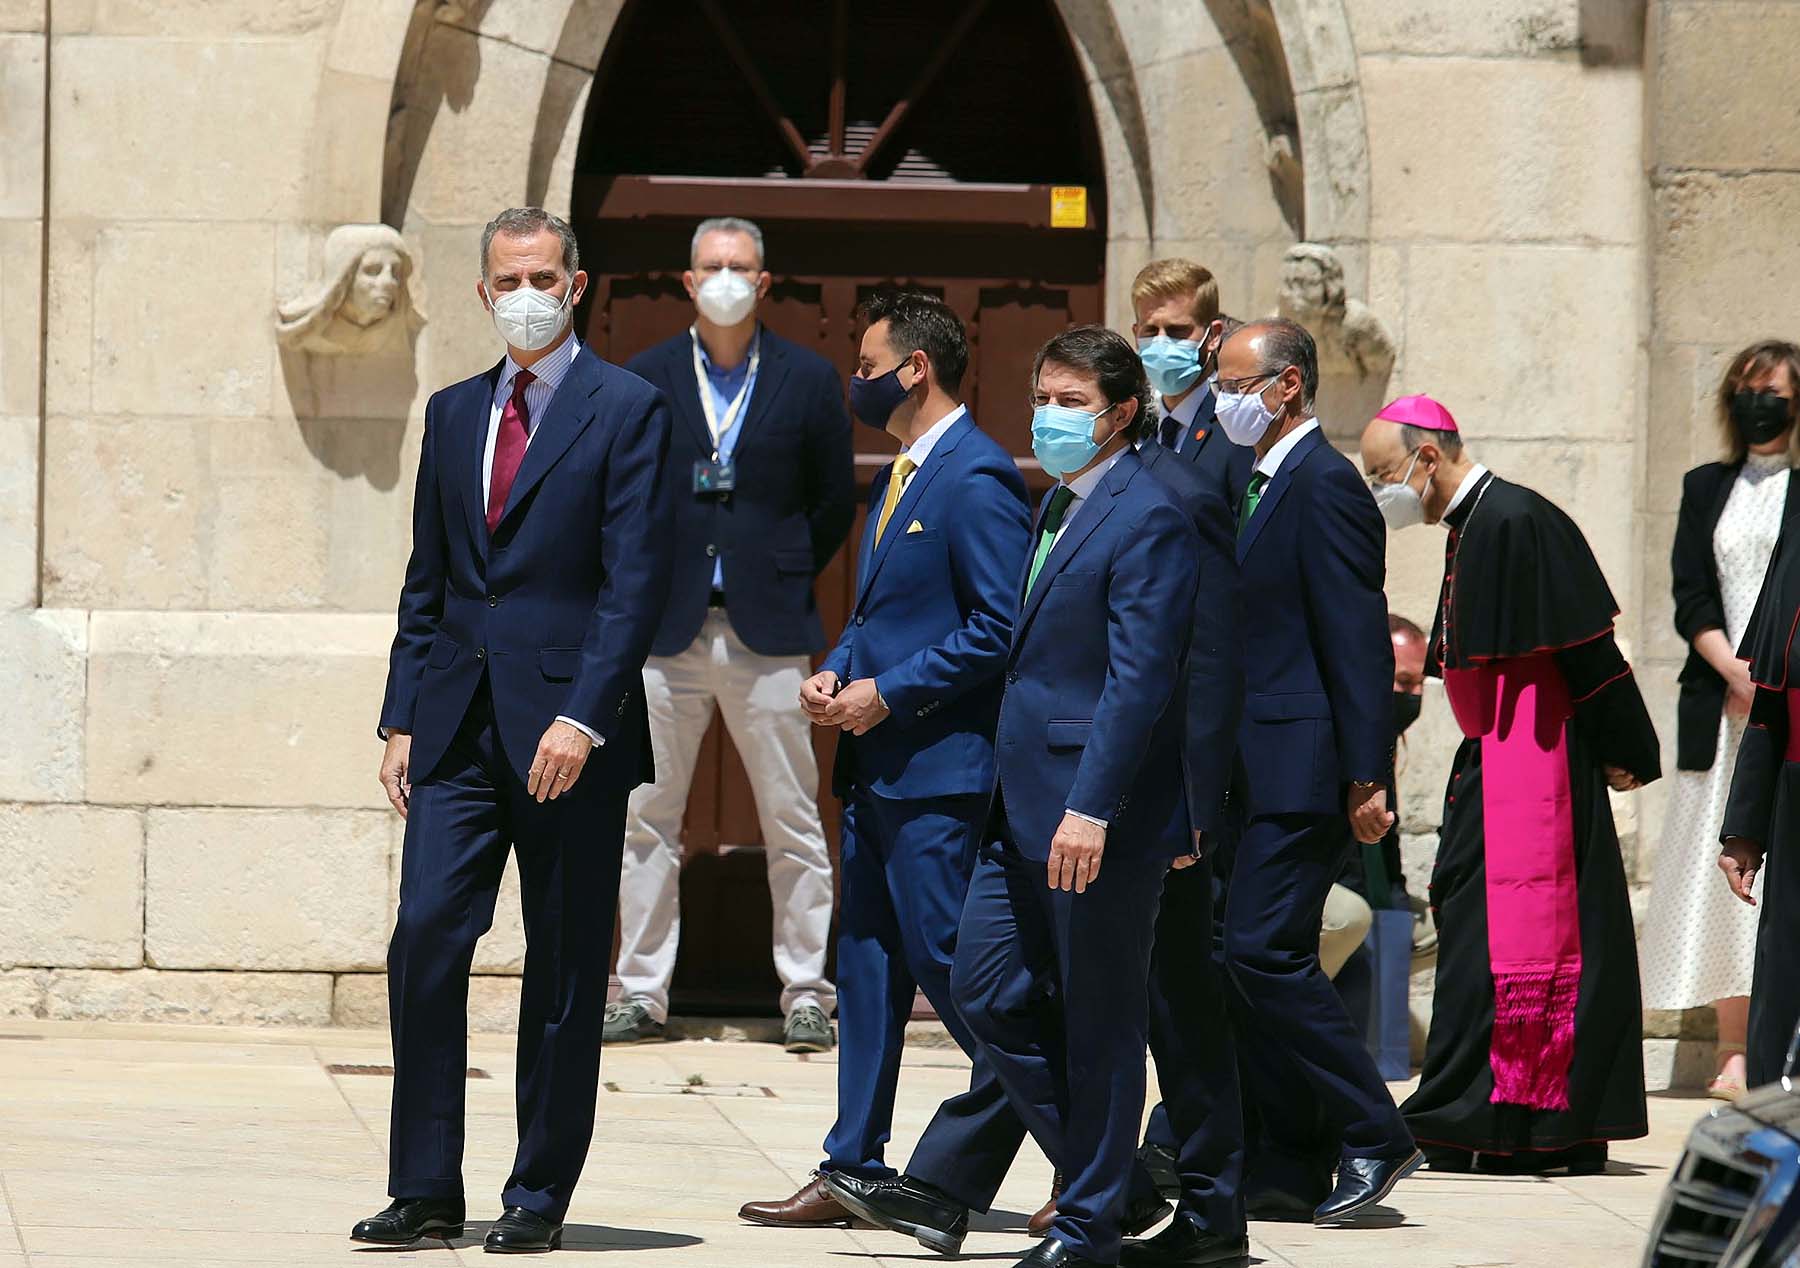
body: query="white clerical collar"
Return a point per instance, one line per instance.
(1467, 486)
(1271, 462)
(921, 448)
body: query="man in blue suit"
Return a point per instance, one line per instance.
(913, 685)
(1315, 741)
(1179, 331)
(514, 719)
(1190, 1033)
(1053, 955)
(761, 477)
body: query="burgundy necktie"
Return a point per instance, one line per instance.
(509, 447)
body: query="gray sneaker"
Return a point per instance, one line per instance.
(630, 1022)
(807, 1030)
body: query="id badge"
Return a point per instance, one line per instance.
(717, 476)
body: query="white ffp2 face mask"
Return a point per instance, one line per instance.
(1243, 416)
(726, 298)
(1400, 504)
(529, 319)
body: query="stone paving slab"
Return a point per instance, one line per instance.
(164, 1145)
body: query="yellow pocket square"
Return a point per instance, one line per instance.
(915, 527)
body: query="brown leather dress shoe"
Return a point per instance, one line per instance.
(812, 1207)
(1039, 1224)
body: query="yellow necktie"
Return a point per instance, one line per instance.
(903, 467)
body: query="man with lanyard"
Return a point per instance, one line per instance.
(760, 472)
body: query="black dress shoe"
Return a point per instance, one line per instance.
(1140, 1217)
(1278, 1206)
(1163, 1167)
(1053, 1252)
(905, 1205)
(1362, 1182)
(1184, 1242)
(522, 1232)
(409, 1219)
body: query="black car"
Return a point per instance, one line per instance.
(1735, 1198)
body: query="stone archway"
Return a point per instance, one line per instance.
(449, 147)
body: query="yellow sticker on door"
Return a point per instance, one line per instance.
(1068, 207)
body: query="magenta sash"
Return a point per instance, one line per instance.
(1519, 709)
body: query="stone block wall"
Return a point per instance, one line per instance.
(200, 536)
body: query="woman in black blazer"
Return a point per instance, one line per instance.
(1699, 944)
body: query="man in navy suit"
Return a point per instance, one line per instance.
(913, 686)
(1179, 331)
(514, 719)
(1190, 1035)
(760, 474)
(1315, 741)
(1053, 955)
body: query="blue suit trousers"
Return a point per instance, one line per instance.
(1201, 1118)
(459, 827)
(1054, 986)
(905, 873)
(1310, 1085)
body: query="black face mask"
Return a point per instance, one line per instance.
(1406, 711)
(1759, 416)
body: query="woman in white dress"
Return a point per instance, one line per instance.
(1699, 944)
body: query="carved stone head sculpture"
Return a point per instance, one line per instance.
(362, 305)
(1312, 284)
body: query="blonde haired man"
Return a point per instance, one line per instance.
(1179, 328)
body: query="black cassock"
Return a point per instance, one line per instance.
(1765, 807)
(1521, 581)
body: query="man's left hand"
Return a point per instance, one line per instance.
(1621, 780)
(1369, 816)
(1182, 861)
(856, 708)
(561, 755)
(1075, 853)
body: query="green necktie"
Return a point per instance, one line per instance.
(1053, 518)
(1252, 496)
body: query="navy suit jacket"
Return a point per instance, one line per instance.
(1095, 708)
(1318, 661)
(1224, 467)
(933, 620)
(558, 608)
(791, 510)
(1214, 681)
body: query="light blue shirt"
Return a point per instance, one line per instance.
(723, 385)
(549, 372)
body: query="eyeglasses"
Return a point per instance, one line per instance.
(1232, 387)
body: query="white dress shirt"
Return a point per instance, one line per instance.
(921, 448)
(1083, 487)
(550, 372)
(1188, 410)
(1271, 462)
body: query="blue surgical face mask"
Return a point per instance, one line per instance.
(1173, 365)
(1063, 438)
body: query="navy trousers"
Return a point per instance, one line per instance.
(905, 874)
(1196, 1057)
(1055, 987)
(460, 824)
(1310, 1087)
